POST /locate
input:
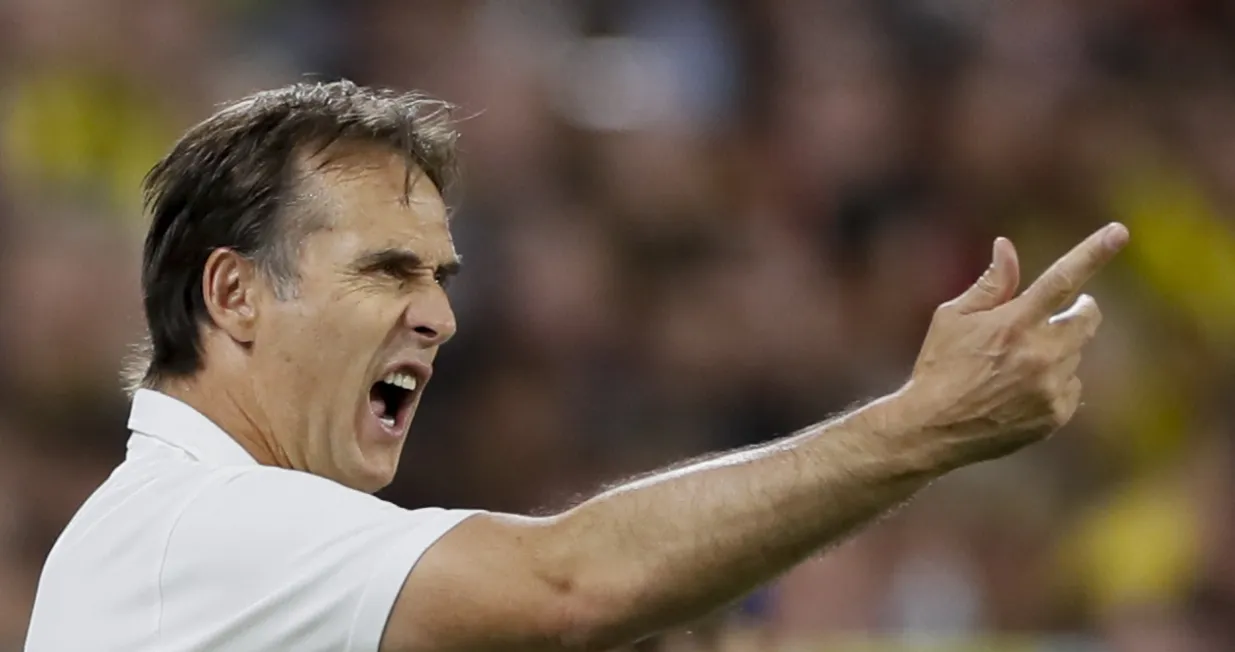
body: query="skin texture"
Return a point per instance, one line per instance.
(996, 373)
(290, 379)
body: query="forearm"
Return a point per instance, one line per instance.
(679, 544)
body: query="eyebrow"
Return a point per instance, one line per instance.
(406, 259)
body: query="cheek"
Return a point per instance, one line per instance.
(298, 336)
(331, 335)
(357, 318)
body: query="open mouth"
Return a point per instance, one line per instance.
(392, 397)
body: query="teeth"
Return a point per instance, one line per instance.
(405, 381)
(389, 422)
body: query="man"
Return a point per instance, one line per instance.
(294, 294)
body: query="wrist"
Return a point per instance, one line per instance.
(910, 422)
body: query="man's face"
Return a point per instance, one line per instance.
(344, 360)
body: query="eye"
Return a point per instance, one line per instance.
(403, 274)
(397, 272)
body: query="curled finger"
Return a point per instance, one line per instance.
(1067, 402)
(1068, 367)
(1081, 320)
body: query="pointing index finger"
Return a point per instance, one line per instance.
(1069, 274)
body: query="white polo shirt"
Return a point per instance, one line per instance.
(190, 544)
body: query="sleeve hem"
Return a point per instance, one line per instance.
(390, 573)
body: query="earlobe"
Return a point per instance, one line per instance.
(229, 290)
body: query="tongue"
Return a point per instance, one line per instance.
(376, 403)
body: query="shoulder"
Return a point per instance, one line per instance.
(256, 503)
(291, 561)
(248, 489)
(265, 514)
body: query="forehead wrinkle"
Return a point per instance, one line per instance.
(351, 160)
(335, 190)
(377, 170)
(342, 194)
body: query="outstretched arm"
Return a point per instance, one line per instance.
(995, 373)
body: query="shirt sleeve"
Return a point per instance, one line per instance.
(270, 559)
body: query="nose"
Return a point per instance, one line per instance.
(433, 321)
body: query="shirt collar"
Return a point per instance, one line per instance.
(175, 423)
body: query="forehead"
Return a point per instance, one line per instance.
(362, 195)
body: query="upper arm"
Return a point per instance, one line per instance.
(491, 584)
(273, 559)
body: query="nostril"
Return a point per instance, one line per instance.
(426, 331)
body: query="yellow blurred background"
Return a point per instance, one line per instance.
(696, 224)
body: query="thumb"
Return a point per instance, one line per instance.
(997, 286)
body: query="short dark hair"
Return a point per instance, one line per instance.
(228, 180)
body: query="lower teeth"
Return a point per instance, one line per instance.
(389, 422)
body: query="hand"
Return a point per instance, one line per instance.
(997, 373)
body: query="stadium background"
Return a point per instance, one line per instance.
(689, 224)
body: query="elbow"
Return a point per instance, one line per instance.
(591, 627)
(597, 615)
(600, 599)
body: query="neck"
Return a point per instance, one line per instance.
(235, 412)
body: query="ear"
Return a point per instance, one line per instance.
(230, 289)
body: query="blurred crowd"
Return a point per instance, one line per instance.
(690, 225)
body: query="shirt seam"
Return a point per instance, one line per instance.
(217, 476)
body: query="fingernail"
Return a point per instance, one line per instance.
(1116, 235)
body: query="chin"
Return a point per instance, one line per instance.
(373, 475)
(375, 456)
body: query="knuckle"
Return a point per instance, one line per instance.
(986, 283)
(1072, 341)
(1065, 398)
(1061, 282)
(1061, 412)
(1036, 363)
(1008, 335)
(1049, 390)
(1046, 390)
